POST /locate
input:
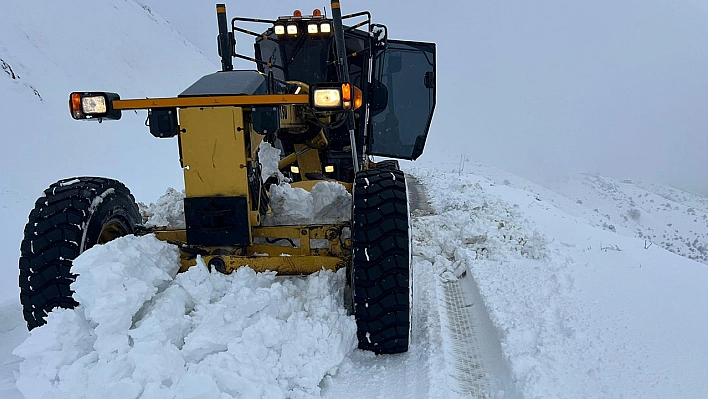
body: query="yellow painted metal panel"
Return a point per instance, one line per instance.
(174, 235)
(211, 101)
(282, 264)
(308, 161)
(214, 152)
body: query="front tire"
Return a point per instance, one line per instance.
(388, 164)
(72, 216)
(380, 274)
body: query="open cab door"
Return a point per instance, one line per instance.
(406, 99)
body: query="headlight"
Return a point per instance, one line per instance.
(335, 97)
(279, 29)
(96, 105)
(292, 29)
(312, 29)
(325, 27)
(327, 98)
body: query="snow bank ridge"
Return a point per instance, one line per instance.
(144, 331)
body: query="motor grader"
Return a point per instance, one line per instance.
(330, 97)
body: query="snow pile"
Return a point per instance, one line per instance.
(269, 157)
(470, 225)
(141, 331)
(168, 211)
(328, 202)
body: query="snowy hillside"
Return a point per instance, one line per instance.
(660, 215)
(517, 294)
(47, 50)
(673, 219)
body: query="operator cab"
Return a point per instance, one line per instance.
(397, 78)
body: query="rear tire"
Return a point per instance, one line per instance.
(72, 216)
(380, 273)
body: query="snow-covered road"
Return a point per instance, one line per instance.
(514, 296)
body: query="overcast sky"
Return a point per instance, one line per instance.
(536, 87)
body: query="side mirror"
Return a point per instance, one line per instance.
(379, 98)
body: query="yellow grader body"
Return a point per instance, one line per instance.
(329, 97)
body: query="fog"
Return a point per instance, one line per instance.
(544, 87)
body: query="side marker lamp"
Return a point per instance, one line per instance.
(358, 98)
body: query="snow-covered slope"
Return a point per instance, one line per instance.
(673, 219)
(47, 50)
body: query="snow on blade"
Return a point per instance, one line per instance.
(143, 331)
(329, 202)
(269, 157)
(168, 211)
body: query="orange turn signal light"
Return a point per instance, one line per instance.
(352, 95)
(297, 13)
(317, 13)
(75, 106)
(346, 91)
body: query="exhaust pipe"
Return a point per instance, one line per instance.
(342, 65)
(225, 39)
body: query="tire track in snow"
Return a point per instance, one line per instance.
(473, 356)
(463, 348)
(472, 348)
